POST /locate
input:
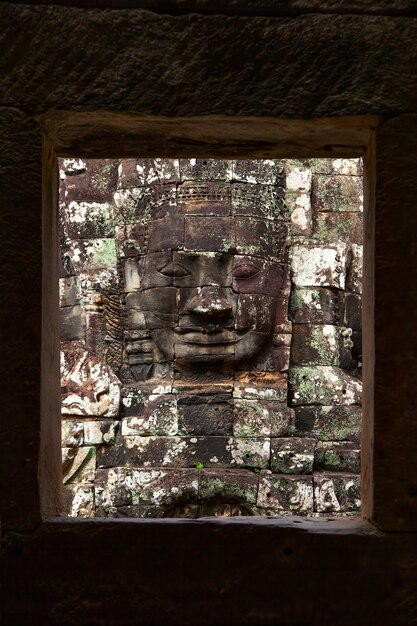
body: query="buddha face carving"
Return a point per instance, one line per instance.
(209, 286)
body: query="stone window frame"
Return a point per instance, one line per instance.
(387, 486)
(63, 138)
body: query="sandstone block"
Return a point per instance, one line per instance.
(72, 433)
(78, 500)
(99, 432)
(323, 385)
(321, 344)
(337, 456)
(266, 171)
(68, 291)
(285, 494)
(329, 423)
(205, 169)
(337, 493)
(213, 418)
(88, 220)
(78, 464)
(157, 416)
(292, 455)
(337, 192)
(71, 323)
(299, 205)
(229, 485)
(112, 489)
(318, 266)
(355, 269)
(316, 306)
(339, 226)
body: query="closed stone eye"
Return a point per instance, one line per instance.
(178, 271)
(245, 270)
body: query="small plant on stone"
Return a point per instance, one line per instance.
(257, 471)
(199, 465)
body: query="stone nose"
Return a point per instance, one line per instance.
(210, 302)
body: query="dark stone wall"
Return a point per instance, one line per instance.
(114, 80)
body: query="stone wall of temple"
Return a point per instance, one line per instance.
(211, 337)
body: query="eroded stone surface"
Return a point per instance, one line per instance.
(177, 297)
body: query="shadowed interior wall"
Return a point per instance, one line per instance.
(336, 81)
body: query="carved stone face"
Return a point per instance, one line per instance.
(209, 288)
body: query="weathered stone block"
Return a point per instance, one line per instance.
(99, 432)
(282, 323)
(71, 323)
(321, 344)
(213, 418)
(157, 416)
(337, 456)
(292, 455)
(281, 350)
(204, 198)
(131, 240)
(271, 386)
(164, 487)
(89, 254)
(229, 485)
(78, 464)
(339, 226)
(346, 167)
(112, 488)
(298, 179)
(318, 266)
(92, 180)
(72, 433)
(337, 493)
(316, 306)
(266, 171)
(88, 385)
(131, 451)
(250, 452)
(166, 234)
(329, 423)
(259, 201)
(337, 192)
(353, 311)
(78, 500)
(260, 417)
(205, 169)
(210, 233)
(255, 311)
(285, 494)
(68, 291)
(88, 220)
(258, 276)
(131, 275)
(323, 385)
(192, 269)
(251, 418)
(263, 238)
(355, 269)
(299, 205)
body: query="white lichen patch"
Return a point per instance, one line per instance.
(299, 179)
(260, 393)
(249, 452)
(318, 267)
(324, 385)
